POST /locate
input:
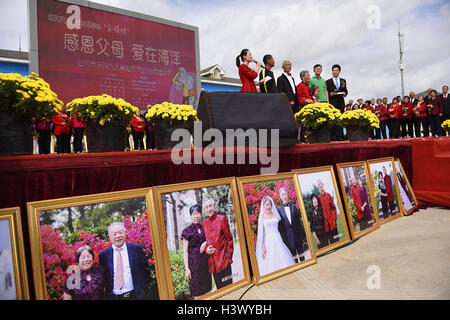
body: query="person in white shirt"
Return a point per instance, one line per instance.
(286, 84)
(290, 226)
(127, 271)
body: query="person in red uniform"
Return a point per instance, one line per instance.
(394, 110)
(329, 213)
(422, 108)
(78, 127)
(406, 118)
(218, 245)
(368, 106)
(304, 92)
(435, 111)
(246, 74)
(389, 191)
(138, 126)
(43, 128)
(382, 114)
(61, 121)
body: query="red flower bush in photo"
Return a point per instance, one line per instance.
(255, 192)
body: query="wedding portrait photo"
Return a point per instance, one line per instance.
(13, 273)
(385, 189)
(323, 206)
(277, 231)
(96, 247)
(407, 195)
(205, 242)
(359, 201)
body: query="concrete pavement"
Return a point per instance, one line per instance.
(411, 255)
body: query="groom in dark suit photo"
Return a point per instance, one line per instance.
(337, 90)
(126, 268)
(290, 227)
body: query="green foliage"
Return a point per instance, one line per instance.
(92, 218)
(179, 282)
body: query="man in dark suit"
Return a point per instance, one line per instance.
(126, 268)
(337, 89)
(286, 84)
(266, 77)
(290, 227)
(446, 104)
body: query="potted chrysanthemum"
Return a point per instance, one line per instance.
(23, 99)
(106, 121)
(317, 119)
(446, 126)
(166, 118)
(358, 122)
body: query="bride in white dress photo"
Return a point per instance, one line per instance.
(271, 252)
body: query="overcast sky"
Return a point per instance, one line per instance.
(306, 32)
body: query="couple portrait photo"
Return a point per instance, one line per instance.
(204, 241)
(409, 201)
(96, 250)
(278, 231)
(385, 188)
(361, 210)
(323, 207)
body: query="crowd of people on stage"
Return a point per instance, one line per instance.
(65, 124)
(409, 116)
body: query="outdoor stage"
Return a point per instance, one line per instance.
(33, 178)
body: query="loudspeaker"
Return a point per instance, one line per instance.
(245, 110)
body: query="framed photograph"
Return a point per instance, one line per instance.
(202, 239)
(95, 247)
(13, 270)
(356, 186)
(278, 234)
(321, 202)
(409, 200)
(385, 187)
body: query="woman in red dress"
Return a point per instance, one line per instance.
(245, 73)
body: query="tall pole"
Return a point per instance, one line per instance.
(401, 65)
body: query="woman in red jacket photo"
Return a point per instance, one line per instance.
(246, 74)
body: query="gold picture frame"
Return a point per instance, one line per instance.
(19, 267)
(406, 211)
(159, 191)
(35, 208)
(342, 215)
(342, 166)
(395, 183)
(252, 242)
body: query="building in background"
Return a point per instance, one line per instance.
(213, 79)
(14, 62)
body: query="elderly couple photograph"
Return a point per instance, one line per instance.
(281, 238)
(123, 272)
(207, 249)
